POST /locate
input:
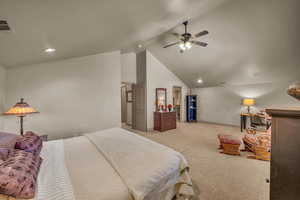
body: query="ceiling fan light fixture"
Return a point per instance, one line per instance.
(186, 40)
(182, 46)
(188, 45)
(185, 45)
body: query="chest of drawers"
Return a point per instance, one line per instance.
(164, 121)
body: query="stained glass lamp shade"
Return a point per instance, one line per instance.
(21, 109)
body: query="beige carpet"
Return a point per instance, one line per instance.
(216, 176)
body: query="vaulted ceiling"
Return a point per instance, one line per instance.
(249, 42)
(83, 27)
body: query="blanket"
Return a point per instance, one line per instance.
(146, 167)
(54, 181)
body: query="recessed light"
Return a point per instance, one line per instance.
(140, 46)
(200, 81)
(50, 50)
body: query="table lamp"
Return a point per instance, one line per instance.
(294, 90)
(248, 102)
(21, 109)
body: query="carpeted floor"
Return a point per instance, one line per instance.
(216, 176)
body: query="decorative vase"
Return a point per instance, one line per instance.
(294, 90)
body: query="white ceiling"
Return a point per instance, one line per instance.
(250, 42)
(85, 27)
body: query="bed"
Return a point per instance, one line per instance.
(113, 164)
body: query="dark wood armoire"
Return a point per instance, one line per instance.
(285, 157)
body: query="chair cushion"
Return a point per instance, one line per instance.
(30, 142)
(229, 139)
(18, 174)
(252, 139)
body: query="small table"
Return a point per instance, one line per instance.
(244, 117)
(44, 138)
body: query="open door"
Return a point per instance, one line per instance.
(177, 104)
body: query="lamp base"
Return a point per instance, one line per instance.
(248, 109)
(21, 125)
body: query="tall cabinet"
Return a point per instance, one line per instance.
(191, 108)
(285, 157)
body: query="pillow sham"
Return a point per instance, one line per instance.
(18, 174)
(30, 142)
(8, 140)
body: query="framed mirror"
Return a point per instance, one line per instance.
(161, 98)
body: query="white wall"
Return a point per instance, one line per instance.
(2, 94)
(159, 76)
(128, 62)
(223, 104)
(73, 96)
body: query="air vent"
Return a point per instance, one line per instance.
(4, 25)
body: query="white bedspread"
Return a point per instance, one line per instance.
(113, 164)
(147, 168)
(53, 180)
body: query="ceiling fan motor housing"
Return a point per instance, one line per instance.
(186, 37)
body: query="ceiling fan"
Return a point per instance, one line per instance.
(187, 39)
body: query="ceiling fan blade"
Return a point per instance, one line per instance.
(201, 33)
(172, 44)
(176, 35)
(202, 44)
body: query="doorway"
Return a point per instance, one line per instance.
(177, 96)
(126, 104)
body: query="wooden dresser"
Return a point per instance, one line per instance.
(164, 121)
(285, 157)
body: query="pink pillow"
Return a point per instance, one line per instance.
(30, 142)
(18, 174)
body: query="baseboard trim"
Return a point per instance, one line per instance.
(216, 123)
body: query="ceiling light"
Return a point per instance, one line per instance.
(50, 50)
(188, 45)
(140, 46)
(185, 45)
(200, 81)
(182, 46)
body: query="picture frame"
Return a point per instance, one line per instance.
(161, 98)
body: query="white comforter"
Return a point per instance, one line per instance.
(112, 165)
(146, 167)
